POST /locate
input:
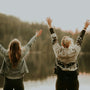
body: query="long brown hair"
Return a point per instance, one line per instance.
(14, 52)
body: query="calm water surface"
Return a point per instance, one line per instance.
(49, 83)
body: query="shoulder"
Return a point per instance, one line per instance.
(76, 48)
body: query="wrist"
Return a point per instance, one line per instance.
(85, 28)
(50, 26)
(51, 30)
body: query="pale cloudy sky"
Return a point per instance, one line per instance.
(66, 14)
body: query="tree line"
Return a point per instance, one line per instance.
(40, 59)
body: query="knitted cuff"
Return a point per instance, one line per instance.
(51, 30)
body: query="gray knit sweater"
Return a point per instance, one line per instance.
(21, 69)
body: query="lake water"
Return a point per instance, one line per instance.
(49, 83)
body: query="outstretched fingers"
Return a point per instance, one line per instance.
(49, 21)
(38, 33)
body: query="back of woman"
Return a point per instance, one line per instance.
(66, 64)
(14, 66)
(13, 72)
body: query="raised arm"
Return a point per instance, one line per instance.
(82, 33)
(3, 51)
(27, 47)
(53, 34)
(54, 39)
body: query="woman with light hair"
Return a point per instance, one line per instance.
(14, 66)
(66, 66)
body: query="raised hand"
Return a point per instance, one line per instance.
(49, 21)
(38, 33)
(87, 23)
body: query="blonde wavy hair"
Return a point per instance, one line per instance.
(14, 52)
(66, 42)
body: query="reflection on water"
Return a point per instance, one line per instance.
(84, 82)
(49, 83)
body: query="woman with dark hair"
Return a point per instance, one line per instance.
(14, 66)
(66, 66)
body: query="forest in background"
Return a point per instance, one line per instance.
(40, 59)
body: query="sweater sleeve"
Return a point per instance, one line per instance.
(3, 51)
(80, 38)
(27, 47)
(54, 39)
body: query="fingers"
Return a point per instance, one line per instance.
(38, 33)
(88, 20)
(87, 23)
(48, 19)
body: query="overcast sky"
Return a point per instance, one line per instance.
(66, 14)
